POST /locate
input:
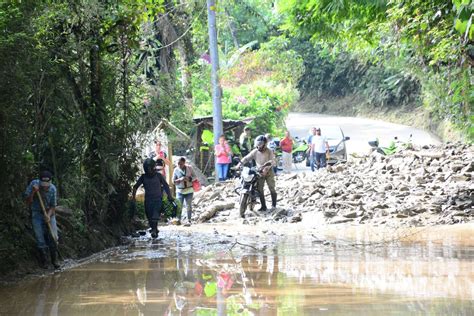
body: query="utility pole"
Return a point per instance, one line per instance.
(216, 91)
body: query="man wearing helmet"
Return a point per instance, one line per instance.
(261, 154)
(154, 184)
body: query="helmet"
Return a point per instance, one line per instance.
(260, 142)
(149, 166)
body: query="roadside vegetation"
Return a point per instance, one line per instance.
(390, 53)
(82, 80)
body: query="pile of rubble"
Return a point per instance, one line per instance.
(431, 185)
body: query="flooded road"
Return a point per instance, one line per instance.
(209, 274)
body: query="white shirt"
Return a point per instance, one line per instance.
(319, 143)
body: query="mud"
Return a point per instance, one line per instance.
(205, 270)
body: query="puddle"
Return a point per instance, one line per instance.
(196, 274)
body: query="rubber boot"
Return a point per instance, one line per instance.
(274, 199)
(54, 258)
(42, 258)
(189, 217)
(263, 204)
(154, 229)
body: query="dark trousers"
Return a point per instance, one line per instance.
(153, 210)
(318, 161)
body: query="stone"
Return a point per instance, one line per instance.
(436, 181)
(330, 213)
(340, 220)
(295, 219)
(350, 215)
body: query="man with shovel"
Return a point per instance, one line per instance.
(41, 196)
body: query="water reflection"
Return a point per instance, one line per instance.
(178, 276)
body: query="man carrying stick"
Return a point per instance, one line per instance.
(41, 197)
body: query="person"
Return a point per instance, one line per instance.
(223, 155)
(45, 239)
(183, 177)
(161, 158)
(261, 154)
(319, 147)
(154, 183)
(245, 141)
(309, 152)
(272, 145)
(311, 133)
(286, 145)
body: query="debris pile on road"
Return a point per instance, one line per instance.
(432, 185)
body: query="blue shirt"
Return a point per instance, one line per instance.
(49, 197)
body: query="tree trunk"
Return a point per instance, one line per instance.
(95, 116)
(233, 31)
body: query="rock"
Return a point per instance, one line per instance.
(430, 154)
(64, 210)
(457, 167)
(295, 219)
(330, 213)
(340, 220)
(351, 215)
(403, 188)
(436, 181)
(280, 213)
(459, 178)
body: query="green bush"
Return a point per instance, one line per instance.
(261, 85)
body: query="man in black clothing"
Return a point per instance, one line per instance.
(154, 184)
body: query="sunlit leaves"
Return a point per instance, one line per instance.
(464, 18)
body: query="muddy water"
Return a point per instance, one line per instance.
(191, 274)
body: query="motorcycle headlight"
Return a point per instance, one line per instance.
(246, 174)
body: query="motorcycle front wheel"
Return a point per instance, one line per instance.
(299, 157)
(244, 200)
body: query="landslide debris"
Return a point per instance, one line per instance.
(427, 186)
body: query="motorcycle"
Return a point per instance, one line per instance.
(395, 146)
(233, 173)
(300, 152)
(247, 189)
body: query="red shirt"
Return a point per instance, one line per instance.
(286, 145)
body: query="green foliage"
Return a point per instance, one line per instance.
(464, 18)
(333, 72)
(253, 20)
(390, 52)
(72, 102)
(260, 85)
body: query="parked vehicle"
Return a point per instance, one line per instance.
(233, 173)
(300, 150)
(337, 144)
(394, 146)
(247, 188)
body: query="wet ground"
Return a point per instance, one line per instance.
(190, 273)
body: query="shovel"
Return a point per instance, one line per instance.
(50, 230)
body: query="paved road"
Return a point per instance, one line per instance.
(360, 130)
